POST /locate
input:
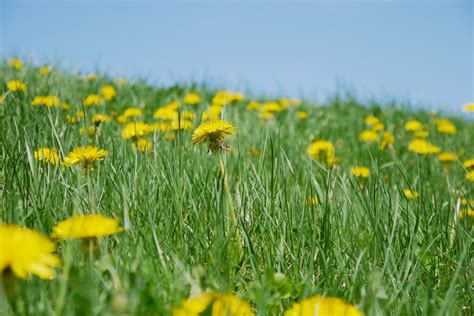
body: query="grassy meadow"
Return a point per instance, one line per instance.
(273, 219)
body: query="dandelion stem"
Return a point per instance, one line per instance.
(91, 191)
(233, 218)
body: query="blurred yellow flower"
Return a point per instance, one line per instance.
(369, 136)
(253, 105)
(470, 176)
(378, 127)
(421, 134)
(65, 106)
(469, 163)
(255, 152)
(217, 304)
(16, 85)
(444, 126)
(86, 226)
(26, 252)
(97, 119)
(108, 92)
(84, 155)
(469, 107)
(215, 133)
(142, 145)
(213, 113)
(73, 119)
(16, 63)
(48, 155)
(360, 171)
(167, 112)
(224, 97)
(47, 101)
(90, 131)
(467, 212)
(421, 146)
(302, 115)
(322, 150)
(387, 140)
(323, 306)
(410, 195)
(192, 98)
(182, 124)
(371, 120)
(45, 70)
(92, 99)
(413, 126)
(447, 157)
(90, 77)
(136, 129)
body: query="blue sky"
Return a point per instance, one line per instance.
(418, 51)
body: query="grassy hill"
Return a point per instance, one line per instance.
(276, 218)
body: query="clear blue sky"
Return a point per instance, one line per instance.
(418, 51)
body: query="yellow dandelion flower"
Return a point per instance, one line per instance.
(272, 107)
(47, 101)
(323, 306)
(92, 99)
(65, 106)
(45, 70)
(469, 163)
(216, 303)
(86, 226)
(468, 107)
(167, 112)
(108, 92)
(267, 115)
(182, 124)
(447, 157)
(284, 102)
(90, 131)
(387, 140)
(136, 129)
(73, 119)
(369, 136)
(16, 63)
(16, 85)
(26, 252)
(371, 120)
(255, 152)
(132, 112)
(413, 126)
(84, 155)
(468, 212)
(421, 134)
(48, 155)
(215, 133)
(322, 150)
(224, 97)
(253, 105)
(142, 145)
(378, 127)
(302, 115)
(422, 147)
(192, 98)
(410, 194)
(470, 176)
(444, 126)
(97, 119)
(90, 77)
(360, 171)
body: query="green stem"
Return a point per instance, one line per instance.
(91, 191)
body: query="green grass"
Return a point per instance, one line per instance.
(364, 242)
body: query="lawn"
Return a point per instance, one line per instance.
(371, 203)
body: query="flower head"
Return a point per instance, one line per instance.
(108, 92)
(422, 147)
(360, 171)
(45, 70)
(16, 85)
(47, 101)
(371, 120)
(369, 136)
(224, 97)
(470, 176)
(97, 119)
(447, 157)
(16, 63)
(84, 155)
(142, 145)
(92, 99)
(25, 252)
(48, 155)
(192, 98)
(322, 150)
(387, 140)
(302, 115)
(323, 306)
(468, 107)
(215, 133)
(86, 226)
(469, 163)
(413, 126)
(410, 194)
(446, 127)
(136, 129)
(217, 304)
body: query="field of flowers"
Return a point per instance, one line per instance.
(119, 198)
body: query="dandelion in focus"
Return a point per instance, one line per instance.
(215, 133)
(84, 155)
